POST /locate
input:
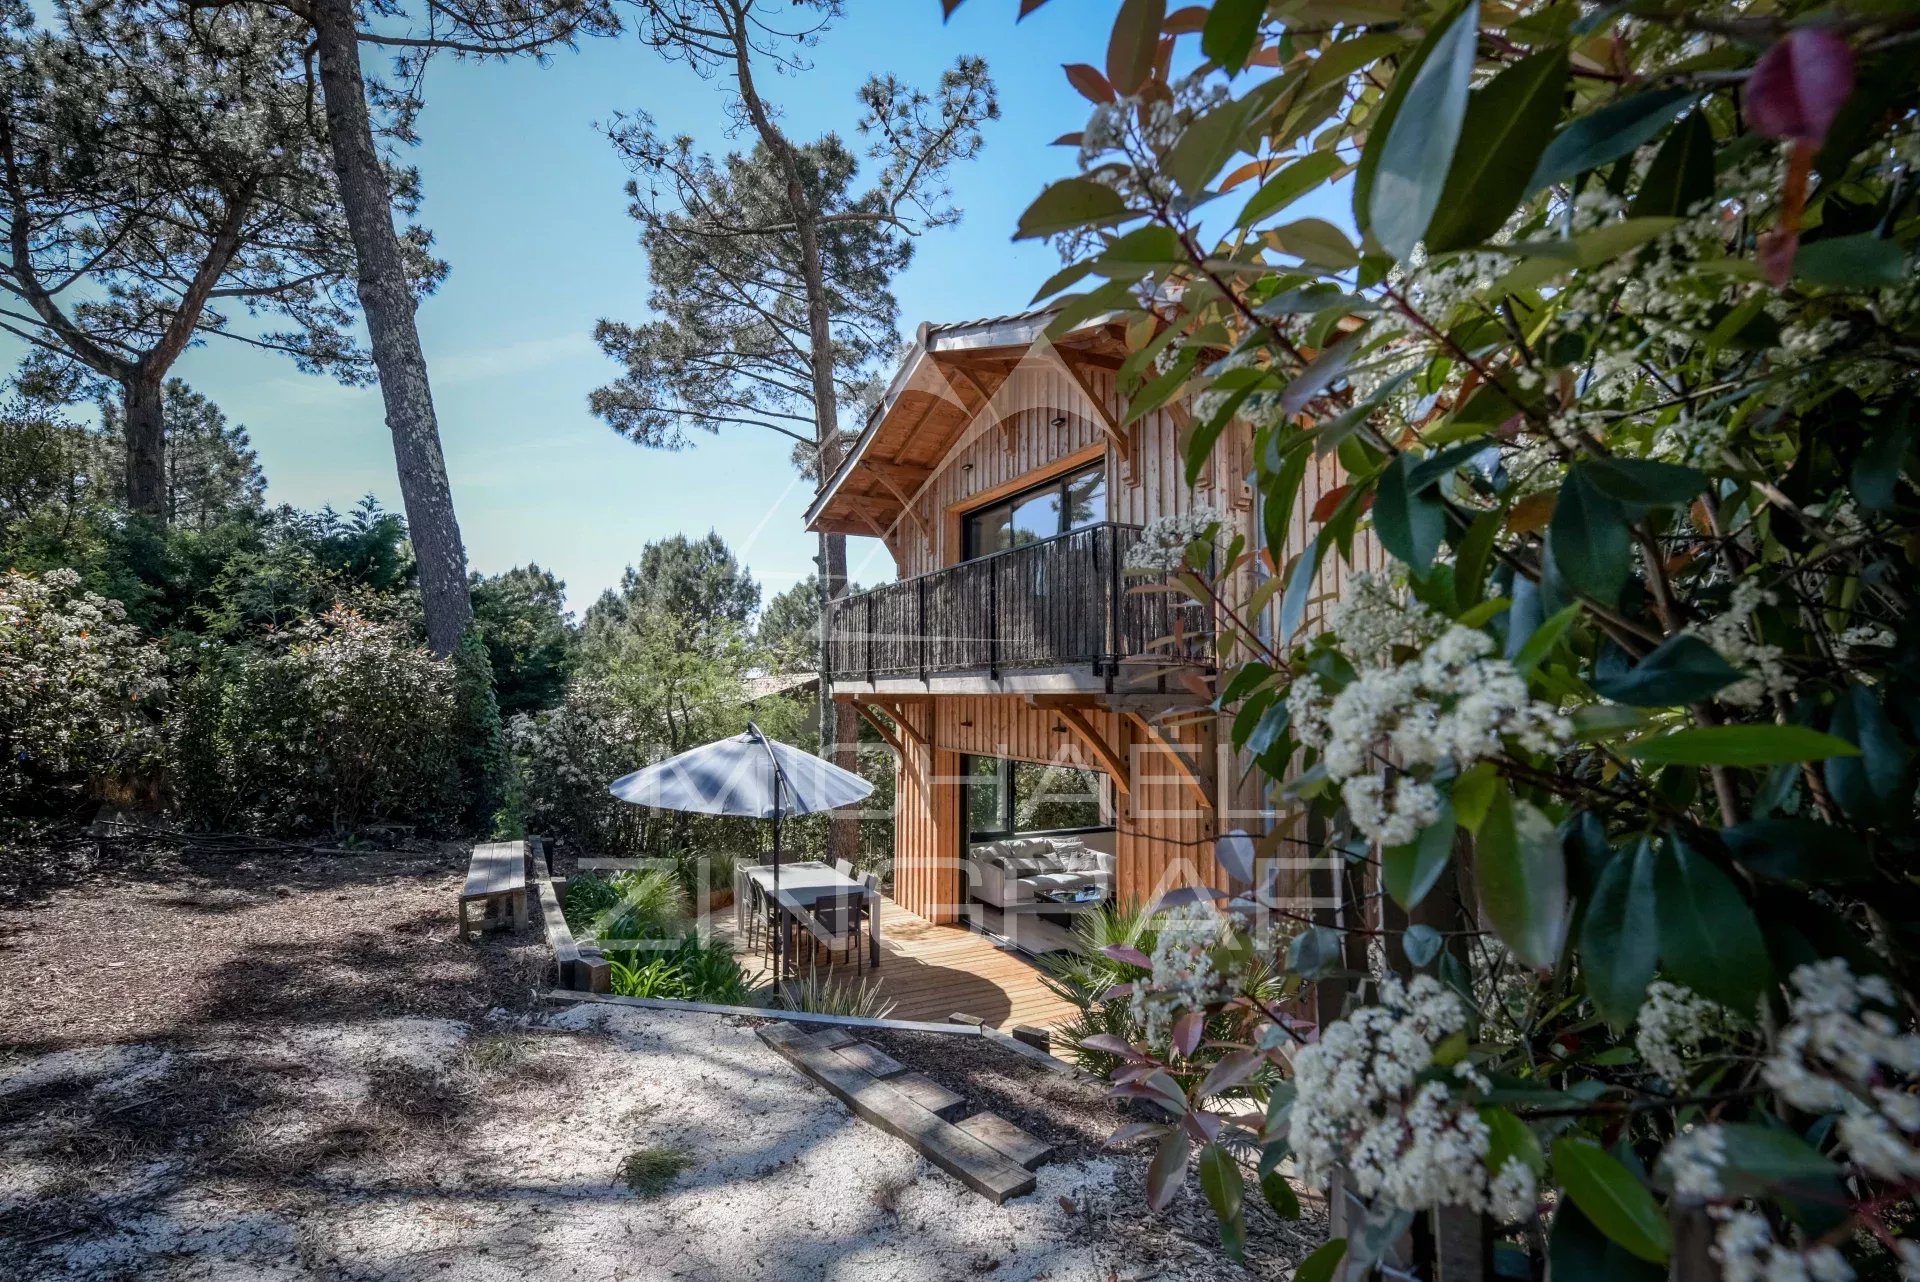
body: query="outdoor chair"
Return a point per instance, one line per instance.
(836, 924)
(843, 867)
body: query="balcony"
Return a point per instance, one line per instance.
(1059, 611)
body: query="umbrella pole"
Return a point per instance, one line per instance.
(778, 913)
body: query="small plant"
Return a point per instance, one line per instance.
(651, 1171)
(822, 995)
(691, 972)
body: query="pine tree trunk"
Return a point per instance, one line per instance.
(842, 728)
(144, 410)
(386, 297)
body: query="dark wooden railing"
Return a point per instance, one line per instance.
(1059, 602)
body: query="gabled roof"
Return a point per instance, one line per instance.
(946, 378)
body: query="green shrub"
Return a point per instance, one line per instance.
(77, 689)
(641, 904)
(690, 972)
(649, 1172)
(338, 722)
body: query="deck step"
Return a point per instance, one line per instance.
(869, 1058)
(930, 1095)
(978, 1165)
(997, 1133)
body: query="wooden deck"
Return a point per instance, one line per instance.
(931, 972)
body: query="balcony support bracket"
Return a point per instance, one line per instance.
(908, 734)
(881, 728)
(1195, 785)
(1114, 763)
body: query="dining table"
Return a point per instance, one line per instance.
(802, 885)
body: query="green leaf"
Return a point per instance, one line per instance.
(1589, 538)
(1380, 125)
(1540, 644)
(1410, 524)
(1204, 146)
(1772, 1163)
(1421, 943)
(1646, 482)
(1739, 745)
(1797, 850)
(1150, 246)
(1684, 669)
(1316, 242)
(1608, 134)
(1619, 949)
(1068, 275)
(1507, 126)
(1521, 873)
(1273, 1185)
(1220, 1180)
(1579, 1252)
(1863, 261)
(1871, 785)
(1681, 175)
(1411, 870)
(1607, 1192)
(1134, 44)
(1070, 203)
(1876, 471)
(1232, 28)
(1709, 939)
(1413, 165)
(1509, 1137)
(1473, 794)
(1319, 1266)
(1292, 182)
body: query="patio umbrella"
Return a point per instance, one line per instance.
(748, 775)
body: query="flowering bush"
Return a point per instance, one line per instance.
(336, 722)
(1605, 784)
(564, 759)
(78, 689)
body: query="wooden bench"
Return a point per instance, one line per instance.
(497, 879)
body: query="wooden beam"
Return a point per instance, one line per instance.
(880, 727)
(1114, 764)
(1180, 763)
(906, 506)
(905, 727)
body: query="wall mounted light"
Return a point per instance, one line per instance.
(1059, 420)
(966, 467)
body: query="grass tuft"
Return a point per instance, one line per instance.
(651, 1171)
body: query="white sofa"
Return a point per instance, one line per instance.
(1007, 874)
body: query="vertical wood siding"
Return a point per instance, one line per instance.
(1164, 839)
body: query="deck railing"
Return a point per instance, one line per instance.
(1060, 602)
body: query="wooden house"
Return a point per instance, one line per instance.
(1025, 681)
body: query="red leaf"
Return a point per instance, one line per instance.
(1798, 86)
(1323, 509)
(1187, 1031)
(1168, 1170)
(1230, 1072)
(1184, 22)
(1113, 1044)
(1129, 954)
(1092, 85)
(1026, 7)
(1134, 1131)
(1777, 250)
(1068, 140)
(1068, 1205)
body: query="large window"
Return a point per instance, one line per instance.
(1007, 797)
(1069, 502)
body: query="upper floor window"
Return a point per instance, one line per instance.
(1069, 502)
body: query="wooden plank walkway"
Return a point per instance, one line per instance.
(931, 972)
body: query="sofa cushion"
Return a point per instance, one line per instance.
(1059, 881)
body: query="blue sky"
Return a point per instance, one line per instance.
(525, 197)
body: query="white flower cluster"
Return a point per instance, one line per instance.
(1840, 1053)
(1744, 1242)
(1185, 976)
(1673, 1024)
(1163, 542)
(1731, 634)
(1451, 702)
(1360, 1106)
(75, 682)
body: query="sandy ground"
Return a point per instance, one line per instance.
(418, 1149)
(261, 1068)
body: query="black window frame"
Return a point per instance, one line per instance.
(1003, 782)
(969, 549)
